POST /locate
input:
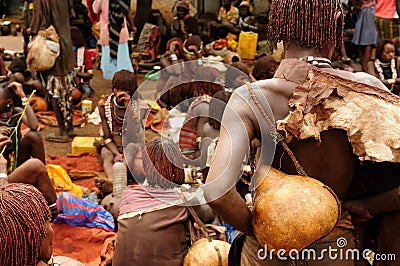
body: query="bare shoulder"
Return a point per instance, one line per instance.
(368, 79)
(361, 77)
(239, 104)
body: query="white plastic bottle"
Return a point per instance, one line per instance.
(119, 179)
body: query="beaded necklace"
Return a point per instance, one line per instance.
(320, 62)
(378, 65)
(113, 120)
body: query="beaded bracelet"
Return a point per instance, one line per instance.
(24, 101)
(105, 142)
(3, 176)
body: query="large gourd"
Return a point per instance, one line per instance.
(206, 252)
(290, 211)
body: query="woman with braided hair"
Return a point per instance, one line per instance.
(152, 211)
(310, 30)
(26, 236)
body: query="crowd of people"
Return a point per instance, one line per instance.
(238, 119)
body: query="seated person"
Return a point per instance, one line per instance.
(177, 89)
(112, 112)
(264, 68)
(24, 147)
(236, 75)
(83, 61)
(386, 66)
(18, 64)
(28, 200)
(228, 16)
(178, 26)
(198, 112)
(172, 56)
(192, 9)
(246, 20)
(3, 69)
(20, 74)
(150, 212)
(83, 67)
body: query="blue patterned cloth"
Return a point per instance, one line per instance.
(77, 211)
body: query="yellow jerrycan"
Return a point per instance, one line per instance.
(247, 45)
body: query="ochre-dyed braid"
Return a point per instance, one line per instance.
(163, 163)
(307, 23)
(23, 210)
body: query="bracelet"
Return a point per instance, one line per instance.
(24, 101)
(3, 176)
(173, 57)
(51, 260)
(105, 142)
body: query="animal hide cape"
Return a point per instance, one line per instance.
(323, 101)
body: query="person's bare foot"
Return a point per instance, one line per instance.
(345, 59)
(56, 137)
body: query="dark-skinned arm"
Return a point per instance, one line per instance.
(233, 143)
(366, 208)
(107, 132)
(30, 118)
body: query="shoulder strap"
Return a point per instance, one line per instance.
(278, 137)
(195, 216)
(201, 225)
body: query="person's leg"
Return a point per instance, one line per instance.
(59, 115)
(367, 56)
(108, 161)
(31, 145)
(343, 53)
(66, 105)
(133, 159)
(34, 172)
(361, 56)
(56, 87)
(213, 31)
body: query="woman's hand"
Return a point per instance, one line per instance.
(123, 97)
(17, 87)
(4, 140)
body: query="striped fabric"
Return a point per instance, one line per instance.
(188, 133)
(387, 28)
(77, 211)
(118, 11)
